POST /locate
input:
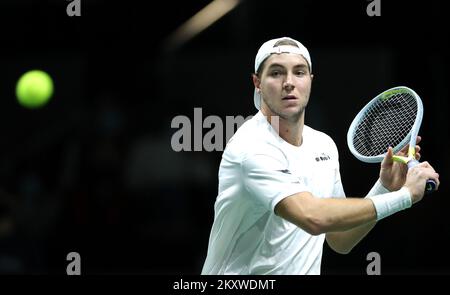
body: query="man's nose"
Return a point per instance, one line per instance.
(288, 83)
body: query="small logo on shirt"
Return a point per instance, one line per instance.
(285, 171)
(323, 157)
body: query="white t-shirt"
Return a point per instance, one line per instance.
(259, 169)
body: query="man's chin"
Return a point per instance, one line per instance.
(292, 110)
(291, 114)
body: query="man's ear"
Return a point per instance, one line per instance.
(256, 81)
(312, 76)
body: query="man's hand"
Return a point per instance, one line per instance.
(393, 174)
(416, 180)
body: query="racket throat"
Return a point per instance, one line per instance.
(406, 160)
(402, 159)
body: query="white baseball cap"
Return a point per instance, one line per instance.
(268, 49)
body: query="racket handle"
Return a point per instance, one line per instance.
(431, 185)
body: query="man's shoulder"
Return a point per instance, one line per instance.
(319, 140)
(251, 138)
(317, 135)
(250, 131)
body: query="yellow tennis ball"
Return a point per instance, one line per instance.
(34, 89)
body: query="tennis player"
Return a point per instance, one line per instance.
(280, 192)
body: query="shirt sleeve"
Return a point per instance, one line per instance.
(268, 179)
(338, 190)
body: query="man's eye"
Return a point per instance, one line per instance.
(300, 73)
(275, 73)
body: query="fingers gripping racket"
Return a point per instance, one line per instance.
(393, 119)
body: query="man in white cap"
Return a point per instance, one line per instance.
(280, 191)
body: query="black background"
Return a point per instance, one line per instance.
(93, 171)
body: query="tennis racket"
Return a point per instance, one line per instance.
(393, 119)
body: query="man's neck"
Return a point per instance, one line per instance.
(290, 131)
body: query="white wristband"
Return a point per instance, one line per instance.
(390, 203)
(378, 189)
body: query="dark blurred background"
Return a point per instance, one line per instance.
(93, 171)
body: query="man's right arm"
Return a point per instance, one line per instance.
(318, 215)
(322, 215)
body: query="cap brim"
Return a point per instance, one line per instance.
(257, 100)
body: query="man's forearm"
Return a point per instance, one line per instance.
(322, 215)
(343, 242)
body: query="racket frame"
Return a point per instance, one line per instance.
(409, 138)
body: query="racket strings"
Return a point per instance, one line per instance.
(387, 122)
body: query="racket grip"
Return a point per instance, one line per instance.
(431, 185)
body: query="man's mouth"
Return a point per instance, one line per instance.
(290, 97)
